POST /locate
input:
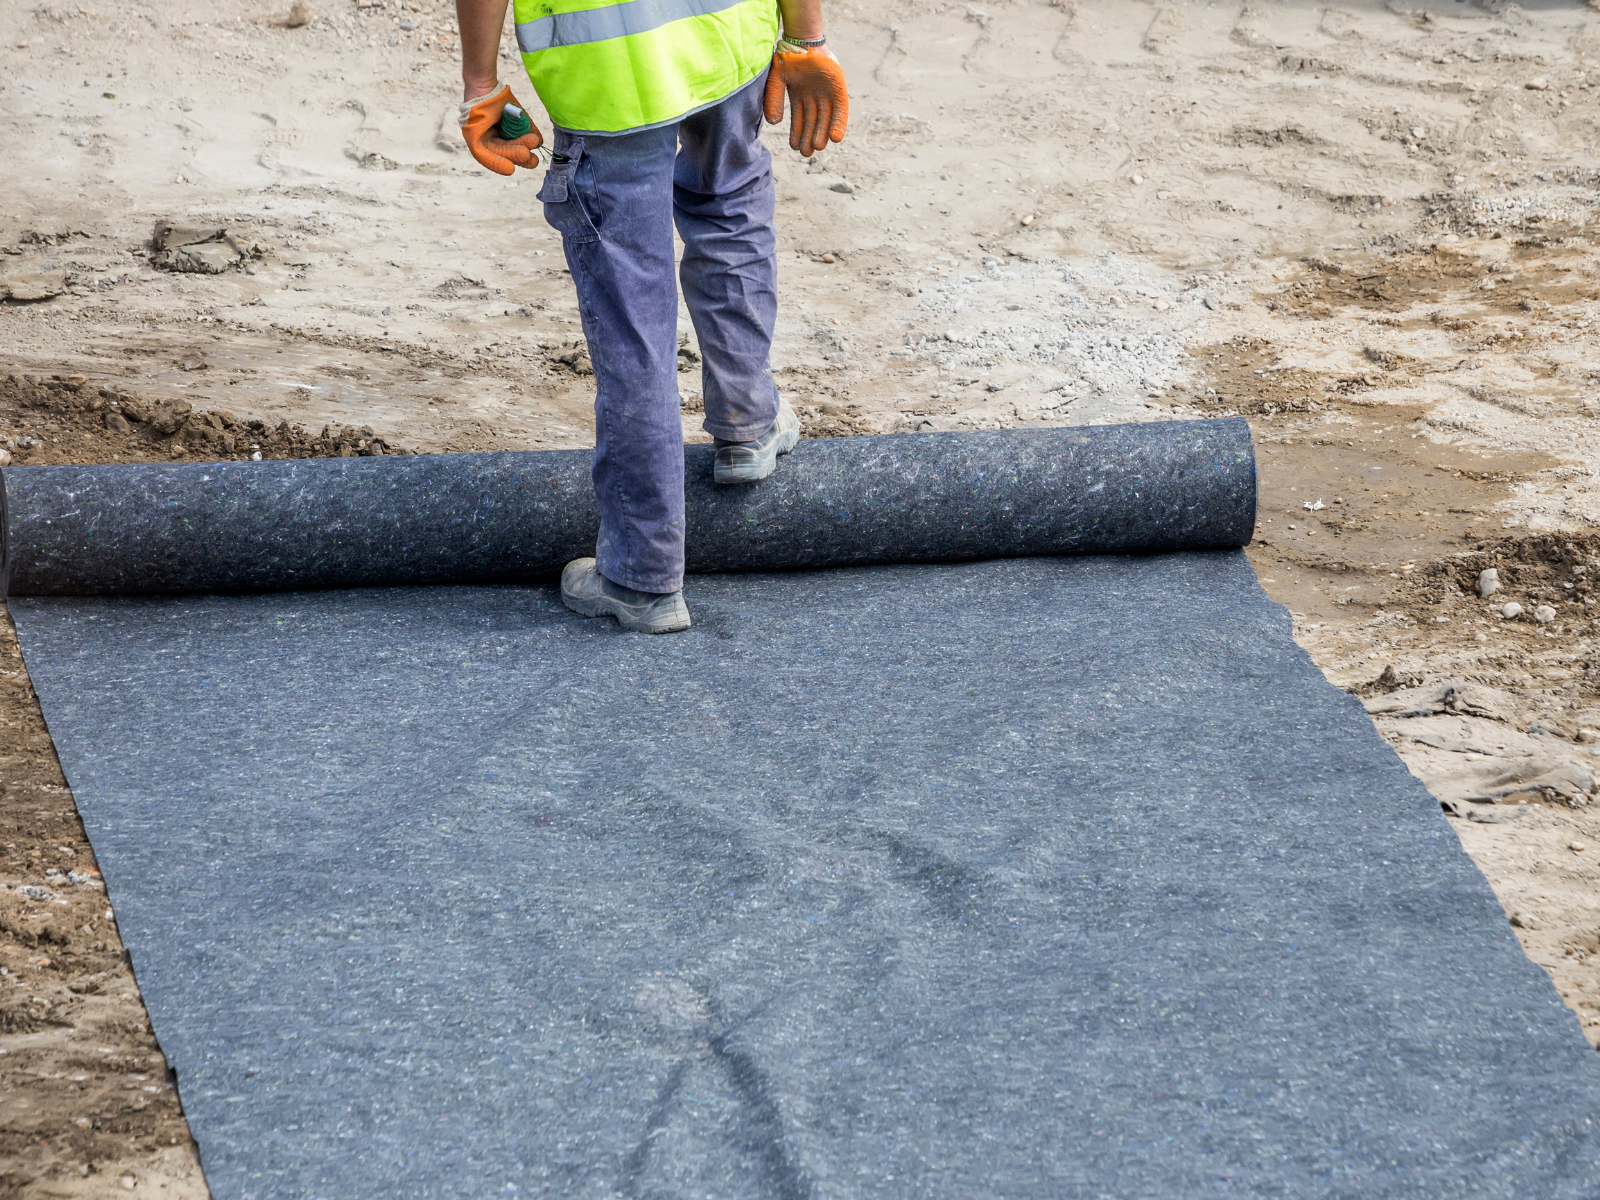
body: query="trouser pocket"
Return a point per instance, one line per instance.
(564, 208)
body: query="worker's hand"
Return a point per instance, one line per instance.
(480, 125)
(819, 104)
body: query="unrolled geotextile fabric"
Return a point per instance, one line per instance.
(1060, 875)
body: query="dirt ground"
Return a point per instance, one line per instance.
(1369, 228)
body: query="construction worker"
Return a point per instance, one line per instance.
(657, 108)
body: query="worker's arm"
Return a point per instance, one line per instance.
(481, 22)
(483, 99)
(802, 18)
(811, 78)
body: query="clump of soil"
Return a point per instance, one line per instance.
(47, 420)
(1242, 377)
(1504, 275)
(821, 418)
(1558, 570)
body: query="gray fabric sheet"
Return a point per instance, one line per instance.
(481, 518)
(1055, 877)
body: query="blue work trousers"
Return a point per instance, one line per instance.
(614, 201)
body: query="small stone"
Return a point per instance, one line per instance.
(5, 457)
(1579, 847)
(177, 450)
(1538, 84)
(1136, 180)
(1589, 735)
(1419, 133)
(83, 1123)
(828, 258)
(299, 14)
(1511, 611)
(128, 1182)
(1544, 614)
(1449, 237)
(117, 423)
(1028, 220)
(843, 188)
(1488, 582)
(1525, 921)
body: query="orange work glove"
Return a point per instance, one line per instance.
(480, 125)
(819, 104)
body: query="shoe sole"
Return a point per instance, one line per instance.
(758, 470)
(605, 606)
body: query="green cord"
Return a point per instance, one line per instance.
(514, 123)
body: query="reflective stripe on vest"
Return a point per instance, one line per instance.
(609, 68)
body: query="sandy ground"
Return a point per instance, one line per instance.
(1370, 229)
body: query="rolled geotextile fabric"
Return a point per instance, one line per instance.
(485, 518)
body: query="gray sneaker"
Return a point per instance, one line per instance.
(746, 462)
(590, 594)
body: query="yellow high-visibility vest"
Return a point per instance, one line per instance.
(606, 67)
